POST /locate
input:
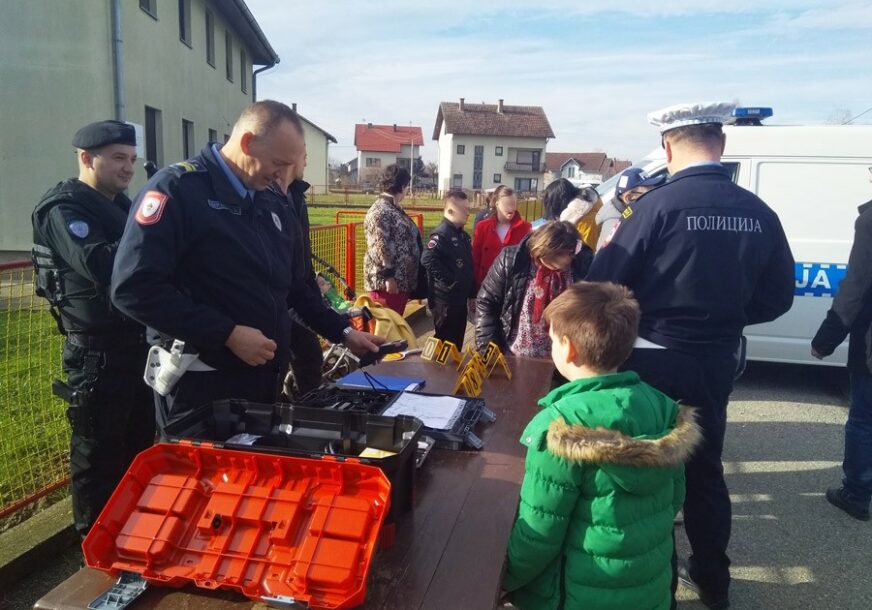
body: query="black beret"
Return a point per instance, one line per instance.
(104, 133)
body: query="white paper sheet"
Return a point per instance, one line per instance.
(439, 412)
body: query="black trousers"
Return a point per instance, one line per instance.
(306, 358)
(109, 427)
(704, 382)
(449, 322)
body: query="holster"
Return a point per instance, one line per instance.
(79, 410)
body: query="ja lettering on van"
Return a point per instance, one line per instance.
(818, 279)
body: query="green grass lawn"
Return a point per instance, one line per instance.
(34, 434)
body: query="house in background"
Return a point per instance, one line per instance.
(381, 145)
(484, 145)
(184, 74)
(582, 168)
(317, 144)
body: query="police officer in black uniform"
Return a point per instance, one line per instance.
(704, 257)
(450, 278)
(207, 258)
(76, 229)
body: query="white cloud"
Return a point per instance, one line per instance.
(393, 62)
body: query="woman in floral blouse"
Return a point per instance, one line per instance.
(393, 243)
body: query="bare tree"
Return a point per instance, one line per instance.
(840, 116)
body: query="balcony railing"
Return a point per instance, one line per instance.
(524, 167)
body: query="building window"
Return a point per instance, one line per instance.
(570, 171)
(153, 136)
(498, 178)
(457, 182)
(461, 149)
(530, 159)
(226, 137)
(149, 6)
(498, 151)
(228, 52)
(526, 185)
(185, 21)
(213, 136)
(373, 162)
(187, 139)
(243, 71)
(210, 38)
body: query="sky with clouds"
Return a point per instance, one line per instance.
(597, 67)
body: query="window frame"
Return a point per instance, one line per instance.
(457, 181)
(460, 149)
(498, 178)
(243, 70)
(210, 38)
(187, 139)
(185, 35)
(150, 9)
(228, 55)
(498, 151)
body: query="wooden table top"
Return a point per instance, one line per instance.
(449, 550)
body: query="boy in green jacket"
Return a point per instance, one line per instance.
(604, 471)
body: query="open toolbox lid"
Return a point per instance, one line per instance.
(293, 532)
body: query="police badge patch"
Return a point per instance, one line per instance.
(276, 221)
(151, 207)
(79, 228)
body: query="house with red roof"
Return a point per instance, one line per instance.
(381, 145)
(484, 145)
(582, 168)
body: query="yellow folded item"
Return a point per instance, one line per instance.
(388, 323)
(369, 452)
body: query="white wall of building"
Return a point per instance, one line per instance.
(493, 170)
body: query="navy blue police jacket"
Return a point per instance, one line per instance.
(704, 258)
(196, 259)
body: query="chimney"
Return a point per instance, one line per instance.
(395, 126)
(294, 106)
(462, 107)
(500, 106)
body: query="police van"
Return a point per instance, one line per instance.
(814, 177)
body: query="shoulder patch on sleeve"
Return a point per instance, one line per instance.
(151, 207)
(434, 241)
(78, 228)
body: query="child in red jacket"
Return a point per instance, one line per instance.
(505, 227)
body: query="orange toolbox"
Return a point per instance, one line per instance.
(291, 532)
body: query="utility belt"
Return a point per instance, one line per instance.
(106, 342)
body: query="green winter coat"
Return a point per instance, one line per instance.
(604, 479)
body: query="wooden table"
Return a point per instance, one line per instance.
(449, 550)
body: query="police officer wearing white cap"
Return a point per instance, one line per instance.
(76, 229)
(705, 258)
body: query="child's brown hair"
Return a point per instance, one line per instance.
(600, 319)
(553, 238)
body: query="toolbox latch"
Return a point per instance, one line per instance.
(283, 601)
(126, 589)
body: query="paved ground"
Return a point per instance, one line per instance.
(790, 549)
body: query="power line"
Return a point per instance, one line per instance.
(869, 109)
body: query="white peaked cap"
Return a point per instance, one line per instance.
(682, 115)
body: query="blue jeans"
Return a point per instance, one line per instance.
(858, 440)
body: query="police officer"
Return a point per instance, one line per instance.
(704, 257)
(306, 354)
(207, 258)
(76, 229)
(450, 278)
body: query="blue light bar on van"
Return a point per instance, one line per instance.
(757, 113)
(749, 116)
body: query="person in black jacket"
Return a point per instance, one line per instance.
(210, 257)
(76, 228)
(704, 258)
(513, 293)
(447, 257)
(852, 313)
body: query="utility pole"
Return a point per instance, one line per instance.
(412, 156)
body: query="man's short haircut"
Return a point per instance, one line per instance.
(455, 194)
(557, 196)
(553, 238)
(265, 116)
(600, 319)
(705, 135)
(394, 179)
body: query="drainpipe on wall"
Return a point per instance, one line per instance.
(117, 62)
(254, 78)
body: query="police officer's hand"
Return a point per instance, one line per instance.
(250, 345)
(360, 342)
(391, 286)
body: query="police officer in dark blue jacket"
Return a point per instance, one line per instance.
(207, 258)
(705, 258)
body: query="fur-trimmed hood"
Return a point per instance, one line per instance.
(579, 207)
(630, 461)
